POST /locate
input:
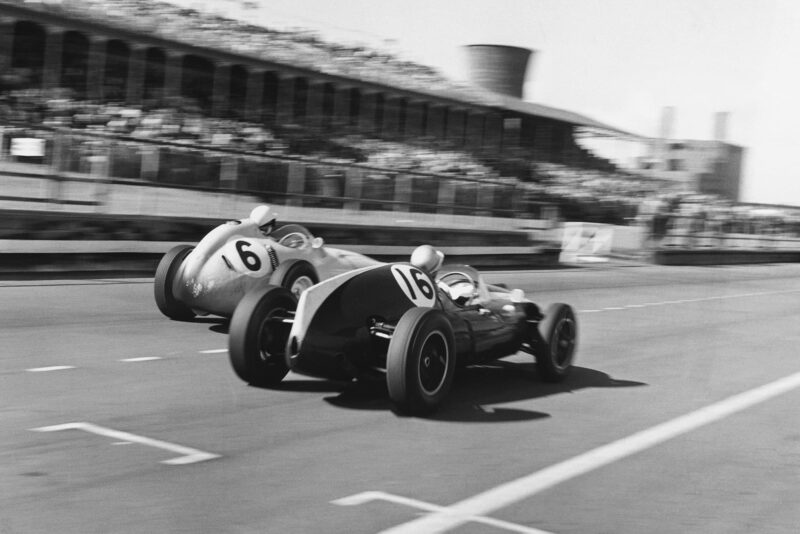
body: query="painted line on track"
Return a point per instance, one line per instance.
(522, 488)
(213, 351)
(141, 359)
(687, 301)
(51, 368)
(188, 454)
(368, 496)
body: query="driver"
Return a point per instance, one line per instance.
(427, 259)
(264, 218)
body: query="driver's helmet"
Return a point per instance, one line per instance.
(427, 258)
(462, 291)
(264, 218)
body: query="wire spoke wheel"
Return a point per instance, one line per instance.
(563, 342)
(433, 363)
(301, 284)
(258, 333)
(555, 351)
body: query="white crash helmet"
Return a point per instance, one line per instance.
(427, 258)
(263, 217)
(462, 291)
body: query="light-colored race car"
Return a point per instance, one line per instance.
(241, 256)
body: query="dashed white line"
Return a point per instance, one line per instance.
(189, 455)
(51, 368)
(142, 359)
(504, 495)
(686, 301)
(213, 351)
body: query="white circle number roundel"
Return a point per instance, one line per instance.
(247, 257)
(415, 284)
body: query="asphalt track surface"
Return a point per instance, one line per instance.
(681, 416)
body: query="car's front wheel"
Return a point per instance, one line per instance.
(164, 280)
(296, 276)
(559, 338)
(258, 333)
(420, 362)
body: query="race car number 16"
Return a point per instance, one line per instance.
(415, 284)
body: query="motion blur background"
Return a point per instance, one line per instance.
(145, 123)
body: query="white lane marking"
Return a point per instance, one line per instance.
(189, 455)
(142, 359)
(51, 368)
(524, 487)
(213, 351)
(685, 301)
(367, 496)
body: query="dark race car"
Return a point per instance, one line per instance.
(394, 320)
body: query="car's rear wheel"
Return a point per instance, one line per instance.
(258, 333)
(559, 338)
(165, 278)
(420, 362)
(296, 276)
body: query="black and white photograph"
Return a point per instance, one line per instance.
(399, 267)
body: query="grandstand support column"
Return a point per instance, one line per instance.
(456, 126)
(510, 133)
(254, 99)
(366, 120)
(437, 122)
(414, 119)
(296, 184)
(493, 132)
(314, 104)
(476, 123)
(220, 94)
(402, 192)
(391, 117)
(446, 197)
(352, 188)
(136, 65)
(341, 107)
(6, 43)
(53, 50)
(173, 74)
(285, 105)
(96, 68)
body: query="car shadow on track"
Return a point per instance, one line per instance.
(220, 325)
(477, 388)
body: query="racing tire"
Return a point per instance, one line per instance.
(165, 278)
(421, 361)
(296, 276)
(257, 336)
(559, 338)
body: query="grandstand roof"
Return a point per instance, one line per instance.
(540, 110)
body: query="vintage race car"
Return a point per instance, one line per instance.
(395, 320)
(241, 256)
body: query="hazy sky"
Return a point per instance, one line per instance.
(618, 61)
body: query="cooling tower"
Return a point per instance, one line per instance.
(498, 68)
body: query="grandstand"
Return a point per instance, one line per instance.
(180, 98)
